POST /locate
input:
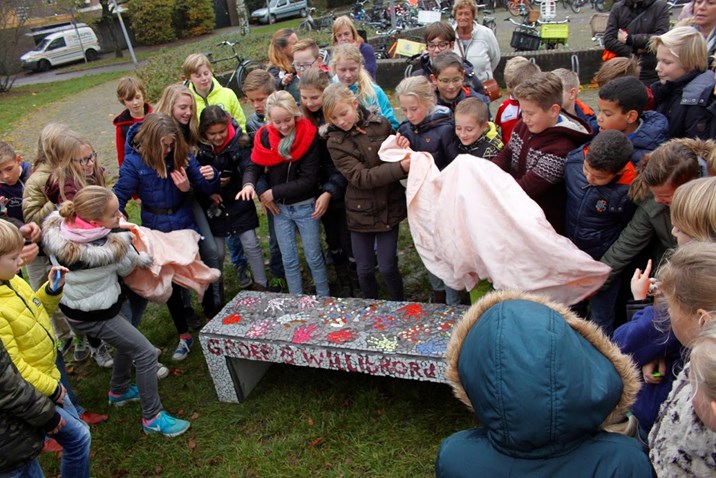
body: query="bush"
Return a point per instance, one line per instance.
(194, 17)
(152, 22)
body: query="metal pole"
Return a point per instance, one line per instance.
(124, 32)
(77, 32)
(392, 14)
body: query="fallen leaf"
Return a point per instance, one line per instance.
(180, 412)
(310, 421)
(175, 372)
(192, 443)
(158, 469)
(194, 416)
(316, 442)
(379, 412)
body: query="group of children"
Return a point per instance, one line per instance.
(309, 154)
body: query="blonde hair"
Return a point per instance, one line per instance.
(616, 68)
(170, 95)
(418, 87)
(317, 79)
(685, 43)
(544, 89)
(128, 87)
(570, 80)
(675, 162)
(471, 4)
(89, 204)
(307, 44)
(47, 141)
(69, 170)
(284, 100)
(193, 62)
(149, 143)
(7, 153)
(347, 52)
(334, 95)
(511, 66)
(521, 72)
(345, 21)
(703, 361)
(259, 80)
(473, 108)
(279, 41)
(11, 241)
(693, 209)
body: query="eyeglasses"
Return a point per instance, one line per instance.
(447, 81)
(304, 65)
(439, 45)
(85, 161)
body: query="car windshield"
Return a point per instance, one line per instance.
(42, 45)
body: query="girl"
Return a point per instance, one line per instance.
(287, 147)
(228, 217)
(375, 200)
(178, 102)
(160, 170)
(280, 53)
(681, 445)
(83, 237)
(684, 85)
(347, 65)
(429, 128)
(703, 381)
(345, 32)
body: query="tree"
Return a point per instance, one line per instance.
(107, 21)
(194, 17)
(13, 15)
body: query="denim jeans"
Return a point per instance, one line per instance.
(65, 380)
(236, 252)
(249, 243)
(452, 296)
(75, 440)
(28, 470)
(290, 217)
(603, 305)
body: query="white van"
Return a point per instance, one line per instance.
(62, 46)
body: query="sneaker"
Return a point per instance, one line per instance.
(91, 418)
(63, 346)
(162, 371)
(183, 349)
(82, 349)
(245, 280)
(131, 395)
(278, 284)
(102, 356)
(166, 425)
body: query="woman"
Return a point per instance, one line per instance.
(703, 18)
(344, 31)
(475, 43)
(280, 53)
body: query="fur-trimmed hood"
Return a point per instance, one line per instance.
(539, 378)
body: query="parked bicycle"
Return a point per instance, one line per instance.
(243, 68)
(533, 35)
(576, 5)
(310, 24)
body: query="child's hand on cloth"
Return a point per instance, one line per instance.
(216, 199)
(56, 277)
(402, 141)
(654, 371)
(641, 282)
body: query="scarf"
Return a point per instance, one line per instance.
(229, 137)
(269, 157)
(82, 231)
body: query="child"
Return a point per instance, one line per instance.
(28, 338)
(448, 79)
(622, 66)
(540, 142)
(703, 382)
(685, 87)
(14, 173)
(681, 445)
(180, 103)
(227, 216)
(517, 70)
(208, 91)
(160, 170)
(280, 53)
(478, 136)
(375, 200)
(347, 64)
(306, 55)
(131, 94)
(287, 148)
(84, 237)
(570, 98)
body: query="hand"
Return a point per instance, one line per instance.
(63, 392)
(640, 282)
(207, 171)
(29, 252)
(181, 180)
(4, 201)
(321, 205)
(266, 196)
(405, 164)
(216, 199)
(402, 141)
(622, 35)
(271, 207)
(59, 427)
(648, 370)
(56, 277)
(31, 232)
(247, 194)
(287, 79)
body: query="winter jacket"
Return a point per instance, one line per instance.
(253, 123)
(465, 92)
(35, 205)
(369, 61)
(14, 193)
(487, 145)
(380, 102)
(536, 161)
(542, 383)
(642, 19)
(653, 130)
(508, 114)
(234, 216)
(122, 122)
(25, 417)
(224, 97)
(292, 87)
(170, 208)
(685, 102)
(645, 340)
(92, 289)
(375, 199)
(596, 215)
(587, 114)
(27, 334)
(482, 51)
(426, 69)
(434, 135)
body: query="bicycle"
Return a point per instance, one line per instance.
(245, 66)
(488, 20)
(310, 24)
(576, 5)
(519, 8)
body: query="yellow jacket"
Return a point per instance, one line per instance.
(27, 334)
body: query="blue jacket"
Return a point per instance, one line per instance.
(685, 102)
(466, 92)
(434, 135)
(135, 177)
(381, 103)
(596, 215)
(14, 193)
(652, 132)
(541, 382)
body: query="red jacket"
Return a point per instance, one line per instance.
(122, 123)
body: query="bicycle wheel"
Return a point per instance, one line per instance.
(305, 26)
(408, 71)
(490, 23)
(514, 7)
(599, 5)
(246, 67)
(576, 5)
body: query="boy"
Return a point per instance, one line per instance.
(208, 91)
(448, 79)
(517, 70)
(306, 55)
(27, 336)
(570, 98)
(477, 135)
(13, 174)
(540, 142)
(131, 94)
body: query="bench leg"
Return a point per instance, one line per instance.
(245, 374)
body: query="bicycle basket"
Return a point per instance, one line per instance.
(523, 41)
(555, 31)
(598, 22)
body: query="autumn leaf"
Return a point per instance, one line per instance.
(158, 469)
(316, 442)
(194, 416)
(310, 421)
(192, 443)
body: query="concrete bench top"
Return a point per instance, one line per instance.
(397, 339)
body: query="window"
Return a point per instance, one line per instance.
(57, 43)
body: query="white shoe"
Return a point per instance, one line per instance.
(102, 356)
(162, 371)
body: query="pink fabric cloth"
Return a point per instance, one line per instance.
(472, 221)
(176, 259)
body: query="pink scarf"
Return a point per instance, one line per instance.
(82, 231)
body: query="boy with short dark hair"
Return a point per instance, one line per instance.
(448, 77)
(517, 70)
(478, 136)
(131, 94)
(13, 174)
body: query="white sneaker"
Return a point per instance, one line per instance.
(162, 371)
(102, 356)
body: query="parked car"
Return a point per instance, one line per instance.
(62, 46)
(278, 10)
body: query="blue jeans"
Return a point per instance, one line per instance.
(452, 296)
(286, 222)
(65, 379)
(75, 440)
(28, 470)
(236, 252)
(603, 305)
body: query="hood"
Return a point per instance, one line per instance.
(576, 129)
(539, 378)
(652, 132)
(125, 117)
(367, 115)
(438, 115)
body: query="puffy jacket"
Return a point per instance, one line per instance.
(434, 135)
(542, 382)
(122, 122)
(596, 215)
(254, 123)
(375, 199)
(25, 417)
(482, 51)
(14, 193)
(224, 97)
(685, 102)
(653, 130)
(642, 19)
(135, 177)
(27, 334)
(486, 146)
(35, 205)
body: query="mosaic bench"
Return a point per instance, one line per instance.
(394, 339)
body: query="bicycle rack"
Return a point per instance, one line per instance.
(575, 64)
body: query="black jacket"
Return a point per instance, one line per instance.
(685, 103)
